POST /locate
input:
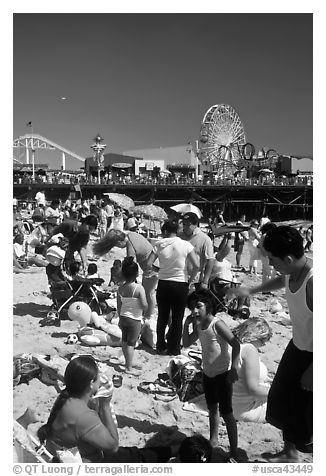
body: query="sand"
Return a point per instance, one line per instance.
(140, 417)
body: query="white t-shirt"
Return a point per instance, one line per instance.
(117, 223)
(222, 270)
(19, 250)
(40, 198)
(172, 254)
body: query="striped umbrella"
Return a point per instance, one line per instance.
(121, 200)
(151, 211)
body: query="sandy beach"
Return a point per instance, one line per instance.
(141, 418)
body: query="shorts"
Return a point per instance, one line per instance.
(130, 330)
(218, 390)
(238, 246)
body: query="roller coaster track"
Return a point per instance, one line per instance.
(35, 141)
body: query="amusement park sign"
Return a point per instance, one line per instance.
(121, 165)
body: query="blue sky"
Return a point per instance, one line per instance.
(146, 80)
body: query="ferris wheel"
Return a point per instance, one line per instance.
(222, 138)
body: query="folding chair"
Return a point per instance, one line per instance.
(27, 449)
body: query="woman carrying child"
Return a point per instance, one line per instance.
(219, 367)
(131, 305)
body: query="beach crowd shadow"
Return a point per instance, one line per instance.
(31, 308)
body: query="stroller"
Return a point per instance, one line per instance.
(64, 293)
(237, 308)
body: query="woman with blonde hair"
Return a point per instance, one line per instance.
(249, 399)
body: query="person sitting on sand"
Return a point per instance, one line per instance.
(290, 394)
(215, 338)
(249, 399)
(21, 260)
(131, 305)
(80, 418)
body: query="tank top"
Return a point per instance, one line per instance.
(215, 350)
(142, 248)
(131, 306)
(300, 314)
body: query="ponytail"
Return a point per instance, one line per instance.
(129, 269)
(44, 432)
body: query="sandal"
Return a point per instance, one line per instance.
(50, 321)
(194, 355)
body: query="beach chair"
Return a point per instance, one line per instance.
(26, 447)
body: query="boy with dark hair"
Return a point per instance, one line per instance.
(289, 404)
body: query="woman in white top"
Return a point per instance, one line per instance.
(131, 304)
(178, 267)
(254, 253)
(250, 391)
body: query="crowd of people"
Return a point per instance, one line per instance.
(177, 270)
(161, 179)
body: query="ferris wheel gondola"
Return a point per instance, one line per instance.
(222, 138)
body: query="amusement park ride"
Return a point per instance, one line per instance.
(32, 142)
(223, 144)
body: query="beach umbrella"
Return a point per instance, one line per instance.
(221, 230)
(265, 171)
(121, 200)
(186, 208)
(151, 211)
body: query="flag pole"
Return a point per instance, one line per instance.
(33, 155)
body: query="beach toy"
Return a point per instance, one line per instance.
(95, 319)
(91, 336)
(72, 339)
(80, 312)
(90, 340)
(112, 329)
(276, 306)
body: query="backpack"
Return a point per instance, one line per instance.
(188, 379)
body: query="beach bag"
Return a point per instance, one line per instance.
(148, 333)
(188, 379)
